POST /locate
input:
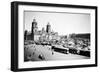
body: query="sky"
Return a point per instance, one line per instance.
(63, 23)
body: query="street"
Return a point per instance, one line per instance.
(39, 52)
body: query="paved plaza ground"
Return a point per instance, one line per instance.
(40, 52)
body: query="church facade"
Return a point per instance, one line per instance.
(41, 35)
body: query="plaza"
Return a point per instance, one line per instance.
(45, 53)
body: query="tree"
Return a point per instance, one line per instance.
(25, 35)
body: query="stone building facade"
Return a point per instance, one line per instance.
(41, 35)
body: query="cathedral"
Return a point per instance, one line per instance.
(40, 35)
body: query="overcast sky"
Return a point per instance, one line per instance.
(63, 23)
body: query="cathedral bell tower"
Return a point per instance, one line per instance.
(48, 29)
(33, 28)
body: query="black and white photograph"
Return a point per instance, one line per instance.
(56, 36)
(53, 36)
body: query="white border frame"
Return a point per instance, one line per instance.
(22, 64)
